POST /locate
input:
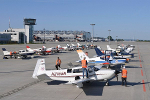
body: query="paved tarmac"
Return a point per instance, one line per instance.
(16, 82)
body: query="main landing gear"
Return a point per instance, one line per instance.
(107, 83)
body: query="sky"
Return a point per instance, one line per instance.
(127, 19)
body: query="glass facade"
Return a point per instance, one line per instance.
(31, 28)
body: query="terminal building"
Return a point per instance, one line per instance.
(24, 35)
(27, 34)
(61, 35)
(5, 38)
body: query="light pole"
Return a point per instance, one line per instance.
(92, 31)
(116, 40)
(109, 36)
(44, 35)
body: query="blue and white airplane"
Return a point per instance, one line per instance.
(99, 53)
(99, 60)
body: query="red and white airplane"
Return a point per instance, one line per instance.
(42, 50)
(73, 75)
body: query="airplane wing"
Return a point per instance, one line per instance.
(78, 61)
(98, 62)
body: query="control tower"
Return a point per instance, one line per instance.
(29, 28)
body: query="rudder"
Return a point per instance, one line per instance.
(39, 68)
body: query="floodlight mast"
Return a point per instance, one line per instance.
(109, 36)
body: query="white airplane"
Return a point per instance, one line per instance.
(113, 50)
(43, 50)
(76, 47)
(103, 55)
(98, 60)
(17, 54)
(25, 53)
(90, 60)
(121, 51)
(72, 75)
(67, 47)
(7, 53)
(79, 46)
(35, 50)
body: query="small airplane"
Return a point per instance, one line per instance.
(76, 47)
(124, 51)
(113, 50)
(73, 75)
(91, 60)
(43, 50)
(17, 54)
(100, 54)
(67, 47)
(7, 54)
(98, 60)
(60, 48)
(25, 53)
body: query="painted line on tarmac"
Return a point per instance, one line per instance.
(144, 89)
(141, 72)
(141, 65)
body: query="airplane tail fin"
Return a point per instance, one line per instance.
(98, 52)
(5, 51)
(78, 44)
(28, 48)
(82, 55)
(39, 70)
(68, 45)
(72, 44)
(59, 46)
(43, 48)
(108, 47)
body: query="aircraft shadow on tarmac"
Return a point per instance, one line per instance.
(129, 84)
(28, 58)
(64, 52)
(93, 88)
(136, 60)
(133, 67)
(54, 82)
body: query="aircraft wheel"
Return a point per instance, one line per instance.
(25, 56)
(4, 57)
(107, 67)
(107, 84)
(77, 77)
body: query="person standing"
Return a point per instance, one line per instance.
(84, 66)
(58, 62)
(124, 76)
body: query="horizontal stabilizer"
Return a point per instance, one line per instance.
(4, 49)
(44, 77)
